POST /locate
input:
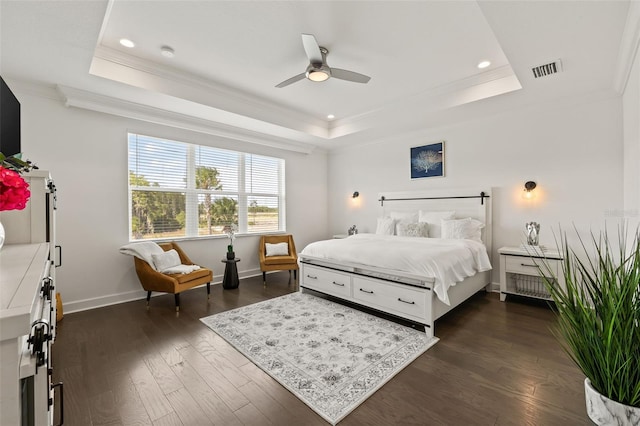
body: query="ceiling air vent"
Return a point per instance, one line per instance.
(547, 69)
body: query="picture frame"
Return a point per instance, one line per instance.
(427, 161)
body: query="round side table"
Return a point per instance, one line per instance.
(231, 279)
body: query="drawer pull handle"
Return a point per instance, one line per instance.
(366, 291)
(404, 301)
(340, 284)
(527, 264)
(312, 277)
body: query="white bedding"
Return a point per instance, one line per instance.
(446, 261)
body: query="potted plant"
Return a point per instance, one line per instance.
(598, 323)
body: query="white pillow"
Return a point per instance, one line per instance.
(386, 226)
(469, 229)
(166, 260)
(413, 229)
(433, 219)
(277, 249)
(404, 216)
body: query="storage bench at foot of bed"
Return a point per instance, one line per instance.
(404, 301)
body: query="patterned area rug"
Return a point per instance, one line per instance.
(331, 356)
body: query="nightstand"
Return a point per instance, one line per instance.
(522, 270)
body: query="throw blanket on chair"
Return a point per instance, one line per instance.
(143, 250)
(181, 269)
(147, 250)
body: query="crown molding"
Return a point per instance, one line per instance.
(83, 99)
(119, 66)
(442, 121)
(491, 83)
(628, 48)
(33, 88)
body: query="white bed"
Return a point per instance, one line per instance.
(419, 279)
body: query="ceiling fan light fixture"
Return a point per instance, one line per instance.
(318, 70)
(318, 75)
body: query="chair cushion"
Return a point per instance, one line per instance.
(279, 260)
(195, 275)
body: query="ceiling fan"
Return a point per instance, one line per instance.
(318, 70)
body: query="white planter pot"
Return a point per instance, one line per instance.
(605, 411)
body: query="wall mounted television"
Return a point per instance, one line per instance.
(9, 121)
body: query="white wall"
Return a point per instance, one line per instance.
(573, 152)
(631, 120)
(86, 153)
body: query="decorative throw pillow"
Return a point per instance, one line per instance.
(413, 229)
(386, 226)
(469, 229)
(403, 217)
(433, 219)
(277, 249)
(166, 260)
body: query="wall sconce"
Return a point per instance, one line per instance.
(355, 199)
(529, 186)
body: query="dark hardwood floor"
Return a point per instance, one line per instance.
(496, 364)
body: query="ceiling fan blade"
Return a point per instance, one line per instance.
(349, 75)
(292, 80)
(312, 48)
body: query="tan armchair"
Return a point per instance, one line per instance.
(287, 262)
(153, 280)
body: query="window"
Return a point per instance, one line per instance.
(180, 190)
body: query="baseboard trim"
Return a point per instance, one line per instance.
(130, 296)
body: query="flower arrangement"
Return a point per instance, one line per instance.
(231, 230)
(14, 191)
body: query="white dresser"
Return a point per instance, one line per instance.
(28, 264)
(27, 323)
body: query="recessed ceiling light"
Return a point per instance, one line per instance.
(167, 52)
(331, 116)
(127, 43)
(484, 64)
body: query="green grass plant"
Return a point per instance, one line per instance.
(598, 314)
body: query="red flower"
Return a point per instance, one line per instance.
(14, 191)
